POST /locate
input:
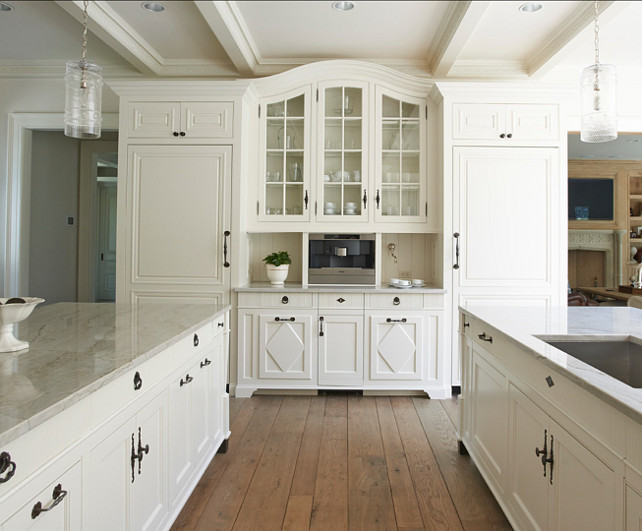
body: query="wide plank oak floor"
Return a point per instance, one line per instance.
(341, 462)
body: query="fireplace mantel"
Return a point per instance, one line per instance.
(610, 242)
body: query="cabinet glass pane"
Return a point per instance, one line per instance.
(390, 137)
(410, 200)
(390, 107)
(391, 167)
(342, 144)
(410, 136)
(409, 110)
(284, 157)
(410, 168)
(390, 199)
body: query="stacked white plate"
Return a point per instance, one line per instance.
(350, 209)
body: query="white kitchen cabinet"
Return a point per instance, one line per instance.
(128, 472)
(633, 501)
(511, 123)
(340, 348)
(556, 483)
(178, 201)
(175, 119)
(56, 507)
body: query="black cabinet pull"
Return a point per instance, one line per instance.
(221, 325)
(466, 324)
(205, 363)
(378, 199)
(279, 319)
(456, 236)
(502, 135)
(484, 337)
(341, 300)
(544, 456)
(321, 333)
(365, 199)
(57, 496)
(225, 262)
(196, 340)
(186, 380)
(403, 320)
(396, 301)
(509, 135)
(182, 133)
(306, 199)
(6, 465)
(284, 299)
(175, 133)
(138, 381)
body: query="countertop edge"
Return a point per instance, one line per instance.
(297, 287)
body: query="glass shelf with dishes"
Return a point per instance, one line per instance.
(284, 192)
(342, 190)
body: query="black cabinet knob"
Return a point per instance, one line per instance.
(509, 135)
(138, 381)
(182, 133)
(175, 133)
(196, 340)
(502, 135)
(284, 299)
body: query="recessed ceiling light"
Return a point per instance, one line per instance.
(530, 7)
(343, 6)
(5, 7)
(154, 7)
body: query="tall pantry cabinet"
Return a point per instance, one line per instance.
(176, 145)
(505, 227)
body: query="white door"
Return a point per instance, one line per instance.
(178, 214)
(106, 281)
(396, 347)
(203, 403)
(285, 346)
(340, 349)
(181, 462)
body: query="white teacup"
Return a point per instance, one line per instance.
(417, 282)
(404, 282)
(394, 281)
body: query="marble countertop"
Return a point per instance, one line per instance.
(298, 287)
(76, 348)
(524, 324)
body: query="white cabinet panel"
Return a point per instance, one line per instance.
(207, 119)
(340, 349)
(153, 119)
(396, 347)
(633, 504)
(533, 122)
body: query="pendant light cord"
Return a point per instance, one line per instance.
(596, 30)
(84, 31)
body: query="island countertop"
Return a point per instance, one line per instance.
(76, 348)
(524, 324)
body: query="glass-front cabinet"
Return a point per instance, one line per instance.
(400, 193)
(285, 174)
(342, 172)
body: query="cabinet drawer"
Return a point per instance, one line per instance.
(340, 300)
(153, 119)
(207, 119)
(286, 300)
(112, 397)
(186, 347)
(394, 300)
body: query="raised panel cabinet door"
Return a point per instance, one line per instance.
(396, 347)
(633, 504)
(153, 119)
(61, 501)
(533, 121)
(502, 213)
(528, 487)
(583, 487)
(489, 417)
(178, 203)
(340, 349)
(207, 119)
(478, 121)
(204, 403)
(285, 346)
(180, 437)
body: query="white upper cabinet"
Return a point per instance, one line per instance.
(343, 142)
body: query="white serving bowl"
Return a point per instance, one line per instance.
(14, 313)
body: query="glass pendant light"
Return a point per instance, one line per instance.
(83, 100)
(598, 98)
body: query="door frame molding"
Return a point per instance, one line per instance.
(19, 137)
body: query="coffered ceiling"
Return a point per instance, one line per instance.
(439, 39)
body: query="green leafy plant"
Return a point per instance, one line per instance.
(277, 259)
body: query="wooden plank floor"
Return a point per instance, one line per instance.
(341, 462)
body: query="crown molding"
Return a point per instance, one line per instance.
(488, 70)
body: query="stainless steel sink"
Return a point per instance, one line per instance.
(619, 357)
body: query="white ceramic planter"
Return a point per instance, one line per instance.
(277, 274)
(14, 313)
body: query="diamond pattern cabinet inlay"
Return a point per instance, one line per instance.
(398, 347)
(285, 350)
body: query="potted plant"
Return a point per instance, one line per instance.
(277, 266)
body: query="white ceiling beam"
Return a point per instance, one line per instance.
(548, 52)
(112, 29)
(459, 22)
(227, 24)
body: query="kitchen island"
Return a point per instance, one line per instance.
(123, 406)
(558, 441)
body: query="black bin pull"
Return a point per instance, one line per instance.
(196, 340)
(138, 381)
(57, 496)
(6, 465)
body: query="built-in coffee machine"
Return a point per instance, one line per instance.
(342, 259)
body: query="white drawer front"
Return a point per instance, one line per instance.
(286, 300)
(338, 300)
(394, 300)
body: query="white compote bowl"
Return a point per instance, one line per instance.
(13, 311)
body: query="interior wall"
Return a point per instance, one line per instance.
(417, 255)
(54, 197)
(264, 244)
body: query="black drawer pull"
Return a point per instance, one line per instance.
(205, 363)
(6, 465)
(221, 325)
(396, 301)
(138, 381)
(278, 319)
(186, 380)
(389, 320)
(196, 340)
(284, 299)
(58, 495)
(341, 300)
(484, 337)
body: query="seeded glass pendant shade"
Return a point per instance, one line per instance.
(83, 100)
(598, 98)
